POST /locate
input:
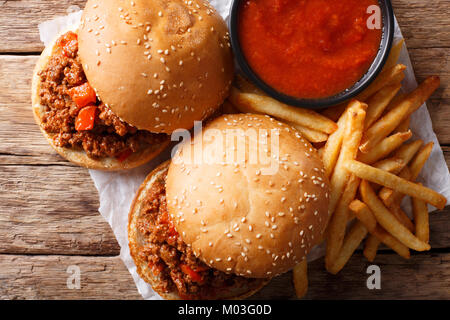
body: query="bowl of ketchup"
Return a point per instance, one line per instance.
(311, 53)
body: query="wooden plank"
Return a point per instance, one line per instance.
(440, 117)
(45, 277)
(424, 276)
(53, 210)
(21, 33)
(424, 25)
(25, 146)
(46, 218)
(433, 61)
(20, 136)
(15, 82)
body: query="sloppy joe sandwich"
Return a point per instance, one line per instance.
(223, 226)
(107, 93)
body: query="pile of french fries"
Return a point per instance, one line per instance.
(370, 163)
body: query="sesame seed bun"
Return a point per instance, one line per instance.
(158, 64)
(136, 240)
(239, 217)
(79, 156)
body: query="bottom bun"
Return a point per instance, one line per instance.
(136, 240)
(79, 156)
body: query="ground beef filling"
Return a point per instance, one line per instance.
(109, 137)
(170, 258)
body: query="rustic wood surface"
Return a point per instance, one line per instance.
(48, 207)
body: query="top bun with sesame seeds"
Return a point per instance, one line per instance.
(250, 197)
(158, 64)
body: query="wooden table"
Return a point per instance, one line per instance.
(48, 207)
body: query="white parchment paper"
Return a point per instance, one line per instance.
(116, 189)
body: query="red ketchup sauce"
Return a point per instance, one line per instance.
(308, 48)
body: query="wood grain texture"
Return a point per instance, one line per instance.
(53, 210)
(424, 276)
(424, 24)
(48, 207)
(20, 19)
(45, 277)
(60, 216)
(15, 101)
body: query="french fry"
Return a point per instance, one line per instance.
(391, 242)
(300, 278)
(337, 225)
(395, 101)
(420, 159)
(386, 77)
(383, 127)
(390, 180)
(352, 240)
(401, 216)
(365, 215)
(384, 147)
(392, 201)
(388, 221)
(404, 125)
(378, 102)
(407, 151)
(333, 146)
(352, 136)
(390, 164)
(254, 103)
(421, 219)
(309, 134)
(394, 54)
(388, 195)
(371, 247)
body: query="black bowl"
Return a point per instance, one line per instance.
(375, 68)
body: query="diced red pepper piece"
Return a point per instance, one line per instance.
(124, 155)
(68, 42)
(195, 276)
(157, 268)
(200, 268)
(86, 118)
(83, 95)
